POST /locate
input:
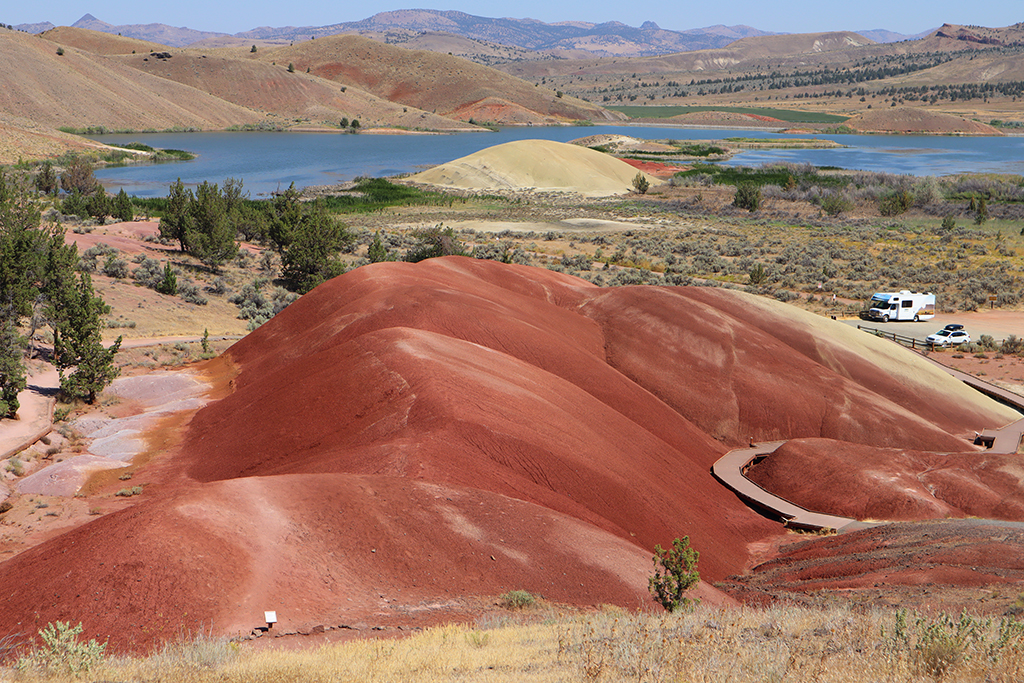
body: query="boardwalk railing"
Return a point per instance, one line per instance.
(731, 468)
(908, 341)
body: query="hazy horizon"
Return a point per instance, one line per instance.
(790, 16)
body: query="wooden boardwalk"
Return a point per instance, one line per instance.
(731, 468)
(1002, 439)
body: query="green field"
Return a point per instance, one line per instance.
(787, 115)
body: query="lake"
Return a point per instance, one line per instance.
(269, 162)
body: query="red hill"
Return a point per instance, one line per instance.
(408, 436)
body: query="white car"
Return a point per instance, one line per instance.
(947, 337)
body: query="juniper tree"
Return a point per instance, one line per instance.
(377, 252)
(312, 255)
(12, 369)
(98, 204)
(77, 339)
(37, 271)
(22, 265)
(212, 240)
(285, 215)
(169, 284)
(123, 209)
(46, 180)
(675, 572)
(176, 223)
(201, 222)
(78, 176)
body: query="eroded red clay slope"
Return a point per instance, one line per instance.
(449, 411)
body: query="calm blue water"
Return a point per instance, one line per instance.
(268, 162)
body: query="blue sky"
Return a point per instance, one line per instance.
(792, 16)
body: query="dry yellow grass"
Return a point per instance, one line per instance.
(773, 644)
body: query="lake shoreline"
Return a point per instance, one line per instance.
(269, 162)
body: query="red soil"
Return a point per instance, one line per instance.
(125, 237)
(893, 484)
(964, 553)
(483, 427)
(655, 168)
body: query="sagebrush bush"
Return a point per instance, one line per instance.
(189, 291)
(257, 308)
(62, 652)
(115, 266)
(149, 273)
(517, 599)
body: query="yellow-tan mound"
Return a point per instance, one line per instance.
(910, 120)
(623, 144)
(540, 165)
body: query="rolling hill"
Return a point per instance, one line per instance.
(408, 437)
(88, 40)
(262, 86)
(81, 89)
(429, 81)
(816, 47)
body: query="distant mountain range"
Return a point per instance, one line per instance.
(607, 39)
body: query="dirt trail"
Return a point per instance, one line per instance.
(35, 416)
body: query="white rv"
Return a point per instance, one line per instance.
(903, 305)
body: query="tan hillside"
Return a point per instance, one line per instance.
(957, 37)
(266, 87)
(23, 140)
(426, 80)
(80, 89)
(816, 47)
(215, 42)
(914, 120)
(499, 110)
(984, 67)
(797, 44)
(480, 51)
(97, 42)
(540, 165)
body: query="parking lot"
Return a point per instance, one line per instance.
(999, 324)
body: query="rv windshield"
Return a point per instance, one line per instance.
(879, 302)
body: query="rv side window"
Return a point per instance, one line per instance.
(908, 303)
